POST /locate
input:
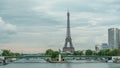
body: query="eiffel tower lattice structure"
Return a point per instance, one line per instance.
(68, 40)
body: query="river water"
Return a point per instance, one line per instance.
(61, 65)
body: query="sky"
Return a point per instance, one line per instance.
(32, 26)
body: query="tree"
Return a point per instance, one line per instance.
(107, 52)
(101, 53)
(78, 52)
(94, 53)
(9, 53)
(89, 52)
(6, 53)
(54, 54)
(115, 52)
(16, 54)
(49, 52)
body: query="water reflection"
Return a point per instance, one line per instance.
(114, 65)
(68, 65)
(61, 65)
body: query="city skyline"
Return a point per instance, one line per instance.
(37, 25)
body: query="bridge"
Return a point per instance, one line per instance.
(64, 56)
(47, 57)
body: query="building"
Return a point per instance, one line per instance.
(97, 47)
(113, 38)
(119, 40)
(104, 46)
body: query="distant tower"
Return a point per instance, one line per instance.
(68, 39)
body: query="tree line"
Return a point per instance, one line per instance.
(88, 52)
(9, 53)
(107, 52)
(54, 54)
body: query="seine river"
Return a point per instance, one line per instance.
(61, 65)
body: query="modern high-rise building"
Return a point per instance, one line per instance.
(114, 38)
(119, 39)
(104, 46)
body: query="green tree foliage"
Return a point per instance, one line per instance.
(16, 54)
(9, 53)
(107, 52)
(89, 52)
(78, 52)
(52, 53)
(102, 53)
(49, 52)
(6, 53)
(95, 53)
(115, 52)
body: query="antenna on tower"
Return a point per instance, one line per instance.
(67, 10)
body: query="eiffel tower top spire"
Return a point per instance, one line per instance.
(68, 24)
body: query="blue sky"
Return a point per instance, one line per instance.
(36, 25)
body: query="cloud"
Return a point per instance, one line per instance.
(6, 30)
(42, 23)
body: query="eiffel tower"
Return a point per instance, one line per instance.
(68, 39)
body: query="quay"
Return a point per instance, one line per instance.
(66, 59)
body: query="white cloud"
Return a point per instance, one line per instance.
(42, 23)
(6, 30)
